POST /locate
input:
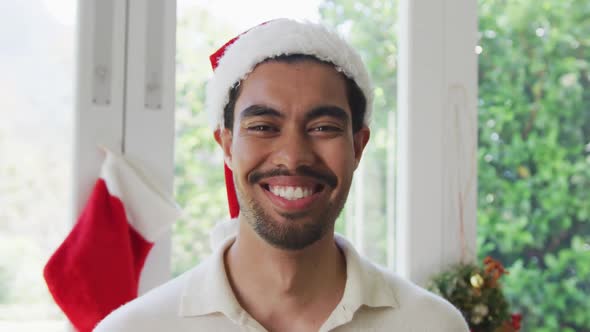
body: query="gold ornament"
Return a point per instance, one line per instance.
(476, 281)
(523, 172)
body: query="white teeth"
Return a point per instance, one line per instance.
(291, 193)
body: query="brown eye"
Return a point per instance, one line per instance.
(326, 129)
(262, 128)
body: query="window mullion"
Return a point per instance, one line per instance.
(437, 136)
(149, 110)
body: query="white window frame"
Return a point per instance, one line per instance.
(437, 136)
(437, 121)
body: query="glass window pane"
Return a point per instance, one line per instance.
(534, 156)
(36, 102)
(203, 26)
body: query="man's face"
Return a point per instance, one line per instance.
(292, 150)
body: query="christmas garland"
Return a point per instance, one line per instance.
(477, 293)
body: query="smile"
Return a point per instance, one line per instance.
(291, 193)
(292, 196)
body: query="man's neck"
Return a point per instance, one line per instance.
(274, 284)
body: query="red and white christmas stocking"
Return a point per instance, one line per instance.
(97, 267)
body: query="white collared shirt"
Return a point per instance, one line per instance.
(202, 300)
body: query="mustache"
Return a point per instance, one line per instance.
(323, 176)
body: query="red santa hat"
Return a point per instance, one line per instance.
(238, 57)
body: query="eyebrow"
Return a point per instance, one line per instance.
(259, 110)
(330, 111)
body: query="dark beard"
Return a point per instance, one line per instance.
(294, 234)
(290, 235)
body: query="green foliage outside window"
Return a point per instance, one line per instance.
(534, 156)
(199, 186)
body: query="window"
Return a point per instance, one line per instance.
(202, 27)
(534, 157)
(36, 103)
(37, 47)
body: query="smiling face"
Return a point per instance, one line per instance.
(292, 150)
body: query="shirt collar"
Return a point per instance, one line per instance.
(365, 286)
(208, 290)
(365, 282)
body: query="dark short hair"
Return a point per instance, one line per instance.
(356, 99)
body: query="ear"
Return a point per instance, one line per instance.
(361, 138)
(223, 137)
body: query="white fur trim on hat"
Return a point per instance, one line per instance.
(283, 37)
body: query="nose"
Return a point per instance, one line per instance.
(293, 149)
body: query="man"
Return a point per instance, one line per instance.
(292, 103)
